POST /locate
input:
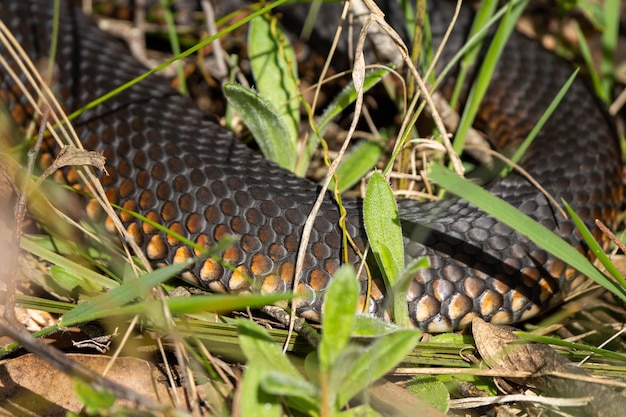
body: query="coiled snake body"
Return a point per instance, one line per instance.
(172, 165)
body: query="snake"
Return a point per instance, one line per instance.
(176, 166)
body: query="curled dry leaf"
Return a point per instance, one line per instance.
(549, 372)
(71, 156)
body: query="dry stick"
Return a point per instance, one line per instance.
(308, 225)
(20, 213)
(218, 51)
(608, 233)
(376, 15)
(379, 17)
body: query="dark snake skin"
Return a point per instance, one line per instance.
(172, 165)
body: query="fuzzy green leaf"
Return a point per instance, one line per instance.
(376, 361)
(274, 67)
(254, 400)
(370, 326)
(265, 123)
(431, 390)
(298, 393)
(382, 224)
(338, 315)
(259, 347)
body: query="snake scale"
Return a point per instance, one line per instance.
(173, 165)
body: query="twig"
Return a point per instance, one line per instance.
(20, 213)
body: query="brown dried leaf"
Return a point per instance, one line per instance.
(502, 350)
(31, 387)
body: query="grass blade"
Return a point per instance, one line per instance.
(102, 305)
(525, 225)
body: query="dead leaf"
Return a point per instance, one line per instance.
(549, 372)
(31, 387)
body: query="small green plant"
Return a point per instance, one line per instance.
(332, 375)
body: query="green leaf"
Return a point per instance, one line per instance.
(265, 123)
(382, 224)
(357, 164)
(376, 361)
(431, 390)
(401, 289)
(264, 357)
(259, 348)
(338, 315)
(254, 400)
(274, 67)
(369, 326)
(299, 393)
(524, 224)
(102, 305)
(95, 401)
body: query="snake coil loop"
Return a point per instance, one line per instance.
(175, 167)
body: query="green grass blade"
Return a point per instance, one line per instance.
(72, 267)
(525, 225)
(585, 52)
(610, 36)
(169, 62)
(102, 305)
(594, 246)
(214, 303)
(175, 45)
(571, 345)
(483, 15)
(517, 156)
